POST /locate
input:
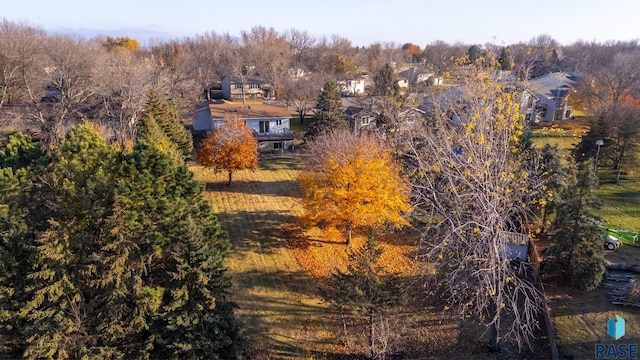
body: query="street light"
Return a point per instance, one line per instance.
(598, 143)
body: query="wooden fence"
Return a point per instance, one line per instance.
(534, 260)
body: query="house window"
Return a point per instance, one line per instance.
(254, 86)
(238, 86)
(277, 146)
(264, 126)
(365, 120)
(238, 96)
(278, 122)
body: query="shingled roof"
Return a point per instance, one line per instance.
(553, 84)
(222, 109)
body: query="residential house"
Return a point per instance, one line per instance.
(362, 114)
(545, 97)
(296, 72)
(251, 87)
(270, 122)
(417, 77)
(352, 87)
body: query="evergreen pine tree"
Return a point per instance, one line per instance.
(577, 252)
(196, 321)
(150, 133)
(385, 83)
(586, 149)
(54, 325)
(329, 115)
(505, 59)
(367, 290)
(117, 255)
(19, 162)
(70, 196)
(474, 53)
(166, 114)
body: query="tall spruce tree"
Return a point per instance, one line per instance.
(329, 114)
(367, 291)
(117, 255)
(474, 53)
(385, 82)
(150, 133)
(577, 253)
(506, 63)
(388, 99)
(166, 114)
(586, 149)
(18, 165)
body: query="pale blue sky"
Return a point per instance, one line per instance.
(363, 22)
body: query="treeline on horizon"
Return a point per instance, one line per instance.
(107, 80)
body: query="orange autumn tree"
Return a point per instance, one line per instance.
(351, 181)
(230, 147)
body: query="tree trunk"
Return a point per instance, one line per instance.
(301, 114)
(371, 334)
(494, 340)
(544, 219)
(229, 183)
(349, 235)
(494, 331)
(618, 175)
(574, 235)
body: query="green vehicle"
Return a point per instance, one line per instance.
(614, 238)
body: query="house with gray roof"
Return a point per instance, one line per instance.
(545, 97)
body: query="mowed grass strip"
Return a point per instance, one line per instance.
(621, 201)
(280, 306)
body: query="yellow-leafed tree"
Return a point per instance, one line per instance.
(230, 147)
(351, 181)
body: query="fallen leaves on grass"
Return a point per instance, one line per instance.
(321, 252)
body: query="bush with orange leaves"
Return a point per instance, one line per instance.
(351, 181)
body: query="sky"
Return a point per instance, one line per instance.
(362, 22)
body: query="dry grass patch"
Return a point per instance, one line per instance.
(280, 306)
(580, 320)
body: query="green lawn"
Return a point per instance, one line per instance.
(620, 202)
(299, 129)
(565, 138)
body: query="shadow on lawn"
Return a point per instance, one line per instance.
(257, 231)
(278, 163)
(283, 314)
(294, 282)
(277, 188)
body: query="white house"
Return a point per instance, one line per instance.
(351, 86)
(270, 123)
(415, 76)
